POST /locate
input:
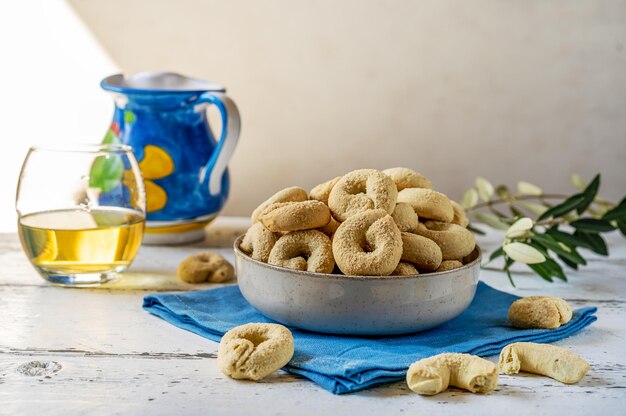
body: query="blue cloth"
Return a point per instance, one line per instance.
(344, 364)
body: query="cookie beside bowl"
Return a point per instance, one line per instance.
(356, 305)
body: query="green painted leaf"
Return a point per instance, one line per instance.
(564, 207)
(617, 213)
(569, 239)
(621, 224)
(129, 117)
(592, 225)
(106, 173)
(555, 269)
(507, 268)
(589, 194)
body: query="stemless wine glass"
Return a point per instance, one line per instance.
(81, 212)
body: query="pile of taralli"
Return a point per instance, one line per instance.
(366, 223)
(256, 350)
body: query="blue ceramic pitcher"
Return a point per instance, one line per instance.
(162, 116)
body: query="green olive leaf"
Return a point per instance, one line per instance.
(491, 220)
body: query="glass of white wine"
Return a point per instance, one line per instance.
(81, 212)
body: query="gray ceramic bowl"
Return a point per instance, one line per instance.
(356, 305)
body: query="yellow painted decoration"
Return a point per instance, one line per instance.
(156, 197)
(156, 164)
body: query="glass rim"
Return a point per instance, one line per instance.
(83, 148)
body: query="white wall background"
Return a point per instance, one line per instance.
(508, 90)
(49, 73)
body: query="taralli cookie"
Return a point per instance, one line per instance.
(455, 241)
(405, 269)
(295, 216)
(309, 250)
(330, 228)
(547, 360)
(405, 217)
(254, 351)
(449, 265)
(421, 251)
(539, 312)
(408, 178)
(368, 244)
(432, 375)
(205, 267)
(428, 203)
(322, 191)
(362, 190)
(292, 194)
(258, 242)
(460, 217)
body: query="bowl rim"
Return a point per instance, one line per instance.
(240, 253)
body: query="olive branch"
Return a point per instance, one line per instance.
(540, 229)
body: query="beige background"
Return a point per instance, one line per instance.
(508, 90)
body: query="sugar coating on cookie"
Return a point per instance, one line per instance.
(455, 241)
(362, 190)
(322, 191)
(258, 242)
(408, 178)
(405, 217)
(405, 269)
(309, 250)
(291, 194)
(428, 203)
(368, 244)
(449, 265)
(424, 253)
(295, 216)
(539, 312)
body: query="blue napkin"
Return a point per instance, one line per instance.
(344, 364)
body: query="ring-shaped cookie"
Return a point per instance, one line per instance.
(449, 265)
(258, 242)
(460, 217)
(421, 251)
(368, 244)
(322, 191)
(428, 203)
(362, 190)
(405, 217)
(292, 194)
(455, 241)
(309, 250)
(408, 178)
(295, 216)
(405, 269)
(254, 351)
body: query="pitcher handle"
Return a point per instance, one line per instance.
(231, 126)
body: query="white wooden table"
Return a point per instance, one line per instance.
(117, 359)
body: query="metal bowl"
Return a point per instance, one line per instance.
(356, 305)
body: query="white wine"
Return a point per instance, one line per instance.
(77, 241)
